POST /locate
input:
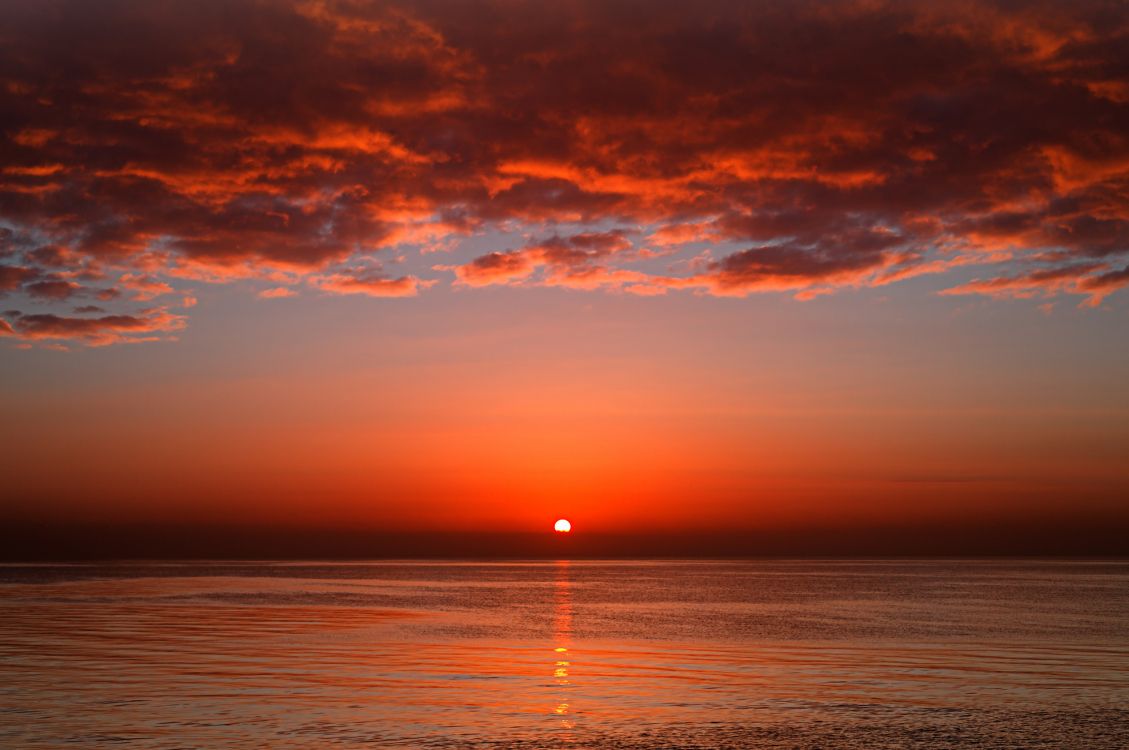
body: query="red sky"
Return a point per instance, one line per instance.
(658, 266)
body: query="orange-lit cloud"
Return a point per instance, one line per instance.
(1092, 279)
(815, 146)
(144, 287)
(1101, 285)
(277, 292)
(369, 282)
(569, 260)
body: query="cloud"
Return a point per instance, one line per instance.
(99, 331)
(845, 255)
(1079, 278)
(51, 256)
(369, 282)
(569, 259)
(53, 289)
(816, 146)
(12, 276)
(1102, 285)
(680, 234)
(497, 268)
(277, 292)
(144, 287)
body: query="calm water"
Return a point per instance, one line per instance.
(582, 655)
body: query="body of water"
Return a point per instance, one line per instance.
(646, 654)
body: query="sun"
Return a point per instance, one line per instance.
(562, 526)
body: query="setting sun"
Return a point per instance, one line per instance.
(562, 526)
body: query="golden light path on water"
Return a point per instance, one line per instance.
(562, 636)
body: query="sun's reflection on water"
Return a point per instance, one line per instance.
(562, 637)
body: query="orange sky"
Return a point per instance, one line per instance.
(643, 423)
(434, 267)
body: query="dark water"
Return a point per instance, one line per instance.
(580, 655)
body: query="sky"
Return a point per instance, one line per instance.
(659, 268)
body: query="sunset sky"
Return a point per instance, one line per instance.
(650, 266)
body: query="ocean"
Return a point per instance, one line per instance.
(567, 654)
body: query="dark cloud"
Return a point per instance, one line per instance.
(836, 142)
(11, 277)
(100, 331)
(51, 256)
(53, 289)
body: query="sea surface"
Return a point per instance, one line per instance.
(644, 654)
